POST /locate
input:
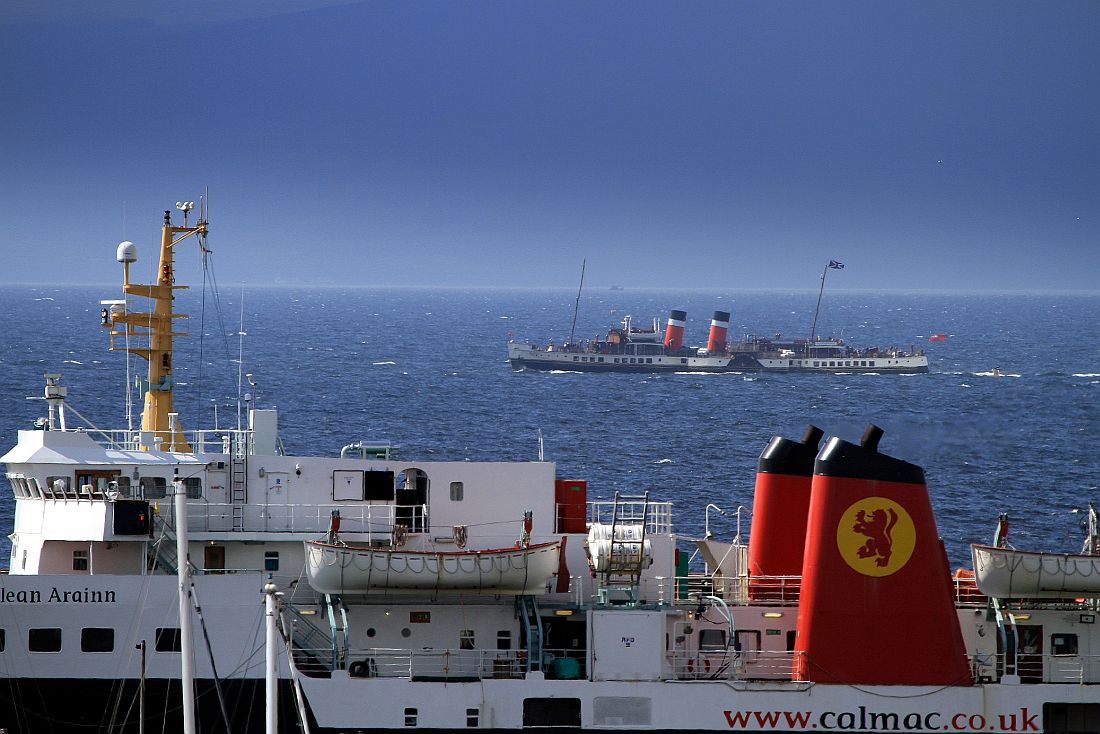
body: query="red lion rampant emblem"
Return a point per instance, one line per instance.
(879, 531)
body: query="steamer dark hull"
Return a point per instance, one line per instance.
(526, 357)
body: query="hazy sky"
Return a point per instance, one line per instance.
(938, 145)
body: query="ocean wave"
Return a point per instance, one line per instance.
(382, 363)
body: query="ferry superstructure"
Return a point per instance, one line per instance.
(490, 595)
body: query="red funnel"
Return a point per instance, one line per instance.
(674, 331)
(781, 503)
(719, 326)
(877, 605)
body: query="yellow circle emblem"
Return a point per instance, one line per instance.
(876, 536)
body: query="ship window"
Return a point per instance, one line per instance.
(154, 488)
(601, 359)
(456, 491)
(504, 640)
(97, 639)
(3, 639)
(271, 560)
(57, 486)
(711, 640)
(410, 717)
(576, 358)
(36, 490)
(1063, 644)
(649, 360)
(466, 640)
(44, 639)
(167, 639)
(193, 487)
(80, 560)
(472, 718)
(378, 486)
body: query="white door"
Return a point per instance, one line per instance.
(278, 502)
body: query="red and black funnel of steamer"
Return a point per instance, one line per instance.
(877, 604)
(719, 327)
(780, 505)
(674, 330)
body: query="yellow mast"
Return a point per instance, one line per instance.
(157, 326)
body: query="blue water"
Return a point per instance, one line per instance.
(427, 369)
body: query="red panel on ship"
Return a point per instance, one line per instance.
(780, 508)
(877, 603)
(571, 497)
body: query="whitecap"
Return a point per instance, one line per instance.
(382, 363)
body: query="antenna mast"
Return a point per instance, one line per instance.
(813, 329)
(577, 305)
(160, 431)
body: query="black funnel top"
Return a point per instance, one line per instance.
(678, 315)
(784, 456)
(843, 459)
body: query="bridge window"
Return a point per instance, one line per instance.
(57, 486)
(154, 488)
(193, 488)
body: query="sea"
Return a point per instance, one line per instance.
(427, 370)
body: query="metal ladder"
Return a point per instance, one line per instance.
(528, 610)
(238, 477)
(161, 553)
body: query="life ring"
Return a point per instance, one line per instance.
(704, 667)
(363, 669)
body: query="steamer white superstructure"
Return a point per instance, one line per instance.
(515, 602)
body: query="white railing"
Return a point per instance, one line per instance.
(202, 441)
(214, 517)
(658, 514)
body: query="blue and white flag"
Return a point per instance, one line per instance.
(836, 265)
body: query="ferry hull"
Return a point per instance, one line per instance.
(341, 703)
(83, 704)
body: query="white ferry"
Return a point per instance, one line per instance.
(371, 592)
